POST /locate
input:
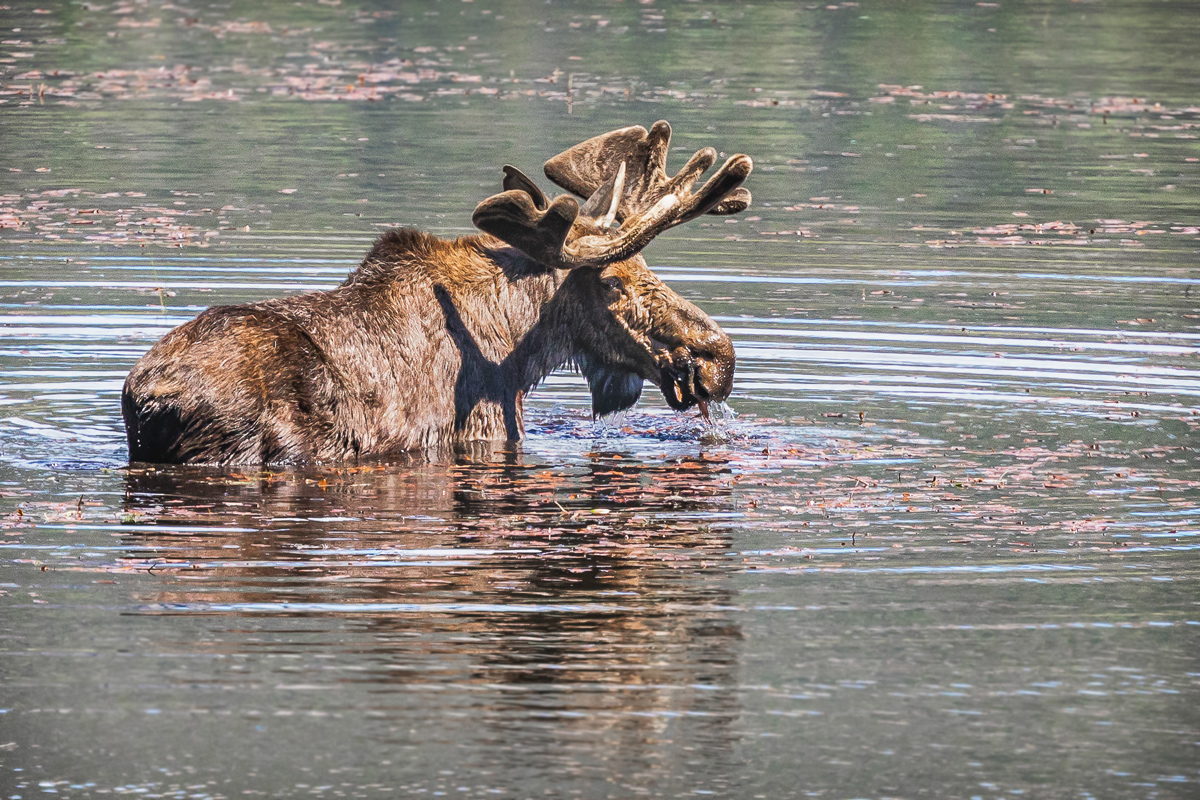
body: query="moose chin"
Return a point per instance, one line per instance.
(432, 343)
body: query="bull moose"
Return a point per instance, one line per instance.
(432, 343)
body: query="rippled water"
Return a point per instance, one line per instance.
(944, 544)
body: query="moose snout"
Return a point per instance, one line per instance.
(714, 369)
(712, 365)
(699, 370)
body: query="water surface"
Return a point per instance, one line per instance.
(947, 547)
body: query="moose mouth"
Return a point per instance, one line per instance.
(680, 390)
(695, 382)
(684, 383)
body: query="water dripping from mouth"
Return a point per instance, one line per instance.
(715, 416)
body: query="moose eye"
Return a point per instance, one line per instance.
(612, 284)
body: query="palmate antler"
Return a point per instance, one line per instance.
(623, 176)
(586, 167)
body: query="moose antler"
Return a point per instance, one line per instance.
(587, 166)
(623, 175)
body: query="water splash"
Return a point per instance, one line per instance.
(715, 416)
(610, 425)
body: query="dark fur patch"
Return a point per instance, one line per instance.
(612, 390)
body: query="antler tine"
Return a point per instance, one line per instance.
(728, 178)
(586, 168)
(696, 166)
(614, 202)
(735, 202)
(588, 165)
(623, 175)
(649, 166)
(515, 179)
(673, 208)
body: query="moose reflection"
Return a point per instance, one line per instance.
(586, 521)
(433, 343)
(429, 578)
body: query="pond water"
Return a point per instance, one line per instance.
(947, 545)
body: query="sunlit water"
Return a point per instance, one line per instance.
(943, 542)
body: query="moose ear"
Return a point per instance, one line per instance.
(513, 217)
(515, 180)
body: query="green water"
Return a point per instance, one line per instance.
(946, 548)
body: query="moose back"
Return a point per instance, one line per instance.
(433, 343)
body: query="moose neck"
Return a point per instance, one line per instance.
(504, 313)
(549, 342)
(540, 336)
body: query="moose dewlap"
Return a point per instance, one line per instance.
(433, 343)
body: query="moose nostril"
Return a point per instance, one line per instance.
(712, 378)
(698, 387)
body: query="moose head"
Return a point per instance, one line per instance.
(433, 343)
(633, 327)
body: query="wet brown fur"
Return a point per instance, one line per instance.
(429, 344)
